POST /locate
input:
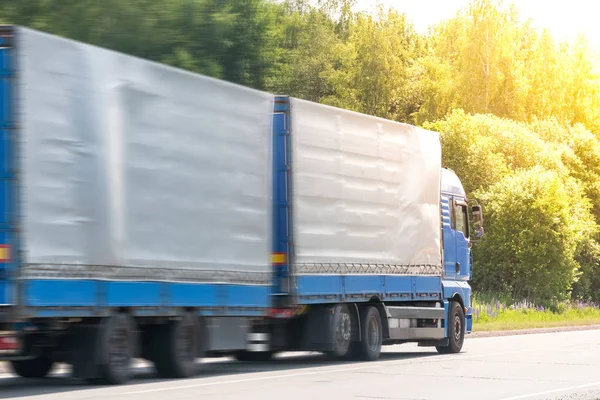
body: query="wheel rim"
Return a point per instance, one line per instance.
(457, 328)
(344, 330)
(119, 347)
(373, 334)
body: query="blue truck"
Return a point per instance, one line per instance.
(149, 212)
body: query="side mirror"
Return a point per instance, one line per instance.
(477, 214)
(477, 220)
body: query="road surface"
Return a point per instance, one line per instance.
(542, 366)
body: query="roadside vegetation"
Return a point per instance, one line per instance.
(518, 111)
(500, 314)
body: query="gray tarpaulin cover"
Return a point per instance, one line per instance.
(135, 170)
(367, 193)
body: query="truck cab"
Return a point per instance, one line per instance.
(457, 239)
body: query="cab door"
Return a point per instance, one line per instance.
(461, 238)
(449, 234)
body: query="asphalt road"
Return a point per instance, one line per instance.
(542, 366)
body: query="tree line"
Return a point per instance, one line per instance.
(519, 112)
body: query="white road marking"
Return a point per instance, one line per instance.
(380, 364)
(530, 395)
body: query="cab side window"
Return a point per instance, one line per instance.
(460, 218)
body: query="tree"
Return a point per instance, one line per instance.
(310, 49)
(385, 48)
(487, 60)
(536, 220)
(229, 39)
(483, 149)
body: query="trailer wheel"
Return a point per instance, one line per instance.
(37, 367)
(369, 348)
(176, 346)
(456, 330)
(341, 331)
(116, 348)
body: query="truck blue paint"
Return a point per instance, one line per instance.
(8, 210)
(56, 319)
(282, 221)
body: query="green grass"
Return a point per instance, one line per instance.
(497, 316)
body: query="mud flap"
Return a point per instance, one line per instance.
(318, 328)
(84, 352)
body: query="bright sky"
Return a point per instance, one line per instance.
(565, 19)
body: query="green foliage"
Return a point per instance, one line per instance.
(536, 220)
(538, 183)
(382, 85)
(483, 149)
(229, 39)
(519, 113)
(587, 285)
(501, 65)
(310, 49)
(487, 318)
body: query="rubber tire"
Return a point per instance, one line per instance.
(38, 367)
(345, 349)
(455, 344)
(108, 372)
(364, 350)
(253, 356)
(168, 361)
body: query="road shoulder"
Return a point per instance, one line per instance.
(483, 334)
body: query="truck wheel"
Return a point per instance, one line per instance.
(117, 343)
(34, 368)
(456, 330)
(176, 347)
(369, 348)
(341, 331)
